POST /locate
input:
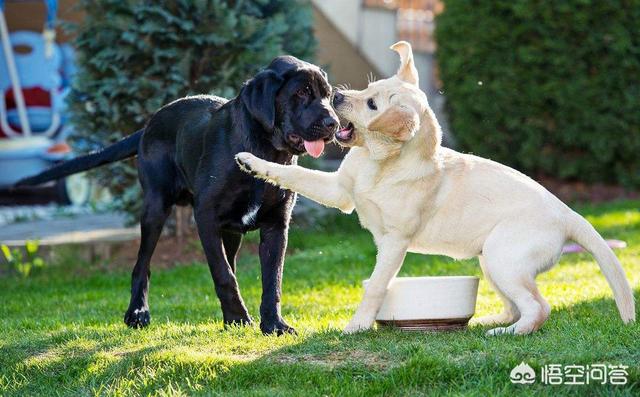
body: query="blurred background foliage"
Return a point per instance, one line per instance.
(549, 87)
(135, 56)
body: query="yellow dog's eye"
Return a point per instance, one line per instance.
(371, 104)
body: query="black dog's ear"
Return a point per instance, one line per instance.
(259, 96)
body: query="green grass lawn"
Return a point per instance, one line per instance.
(62, 331)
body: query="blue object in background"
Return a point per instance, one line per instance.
(22, 156)
(35, 70)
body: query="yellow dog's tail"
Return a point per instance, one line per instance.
(581, 231)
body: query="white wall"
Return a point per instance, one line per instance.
(378, 33)
(344, 14)
(370, 30)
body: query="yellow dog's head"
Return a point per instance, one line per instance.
(385, 115)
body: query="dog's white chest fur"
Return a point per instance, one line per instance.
(249, 218)
(376, 193)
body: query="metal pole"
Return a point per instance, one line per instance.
(15, 78)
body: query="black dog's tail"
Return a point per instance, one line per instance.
(127, 147)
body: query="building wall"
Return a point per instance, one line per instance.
(378, 33)
(370, 31)
(342, 61)
(345, 16)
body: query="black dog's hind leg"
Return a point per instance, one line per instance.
(233, 308)
(155, 213)
(273, 244)
(231, 242)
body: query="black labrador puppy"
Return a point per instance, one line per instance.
(186, 157)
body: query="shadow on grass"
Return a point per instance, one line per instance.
(384, 362)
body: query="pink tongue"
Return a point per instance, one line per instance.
(314, 148)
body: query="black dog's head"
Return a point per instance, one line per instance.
(291, 99)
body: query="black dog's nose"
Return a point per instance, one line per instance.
(338, 98)
(330, 123)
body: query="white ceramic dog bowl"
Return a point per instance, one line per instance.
(429, 303)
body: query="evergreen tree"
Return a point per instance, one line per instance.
(560, 85)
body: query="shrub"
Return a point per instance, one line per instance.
(135, 56)
(22, 263)
(549, 87)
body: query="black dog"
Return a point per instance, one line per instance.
(186, 156)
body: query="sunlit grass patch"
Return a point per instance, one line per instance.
(62, 330)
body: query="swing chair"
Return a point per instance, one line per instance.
(32, 122)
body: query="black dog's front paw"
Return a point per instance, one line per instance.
(137, 318)
(278, 327)
(240, 320)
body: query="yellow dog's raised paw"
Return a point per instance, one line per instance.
(245, 162)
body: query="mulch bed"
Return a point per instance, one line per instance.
(169, 252)
(571, 192)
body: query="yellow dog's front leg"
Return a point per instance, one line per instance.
(326, 188)
(391, 252)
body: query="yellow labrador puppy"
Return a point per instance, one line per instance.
(415, 195)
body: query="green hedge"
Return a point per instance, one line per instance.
(549, 87)
(135, 56)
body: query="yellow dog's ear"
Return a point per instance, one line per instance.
(407, 71)
(398, 122)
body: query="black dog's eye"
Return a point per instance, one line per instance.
(371, 104)
(303, 92)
